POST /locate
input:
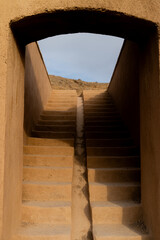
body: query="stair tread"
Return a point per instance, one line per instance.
(47, 167)
(117, 157)
(119, 204)
(45, 183)
(47, 204)
(111, 169)
(44, 229)
(117, 230)
(116, 184)
(47, 146)
(48, 155)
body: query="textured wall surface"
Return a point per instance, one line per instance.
(37, 86)
(124, 88)
(33, 20)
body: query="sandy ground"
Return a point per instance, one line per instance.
(79, 85)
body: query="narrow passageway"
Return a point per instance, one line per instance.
(81, 178)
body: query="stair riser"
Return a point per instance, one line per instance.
(106, 151)
(69, 128)
(57, 123)
(109, 143)
(92, 123)
(113, 193)
(100, 109)
(59, 113)
(118, 175)
(47, 174)
(99, 128)
(60, 236)
(107, 135)
(122, 237)
(45, 150)
(57, 135)
(101, 118)
(61, 106)
(101, 114)
(93, 101)
(62, 101)
(71, 99)
(112, 162)
(47, 215)
(58, 117)
(38, 192)
(116, 215)
(30, 160)
(50, 142)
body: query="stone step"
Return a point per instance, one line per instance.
(101, 114)
(53, 135)
(114, 191)
(112, 151)
(97, 95)
(58, 117)
(107, 135)
(113, 162)
(59, 104)
(48, 150)
(101, 175)
(48, 161)
(109, 118)
(55, 128)
(104, 122)
(105, 128)
(118, 232)
(48, 174)
(115, 212)
(99, 105)
(43, 232)
(57, 122)
(109, 142)
(46, 191)
(46, 212)
(62, 101)
(95, 99)
(64, 98)
(64, 91)
(59, 113)
(60, 109)
(98, 101)
(50, 142)
(100, 109)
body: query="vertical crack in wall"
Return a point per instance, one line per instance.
(81, 214)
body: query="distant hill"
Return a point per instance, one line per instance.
(79, 85)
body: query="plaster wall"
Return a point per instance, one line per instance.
(11, 190)
(37, 86)
(150, 133)
(11, 67)
(124, 88)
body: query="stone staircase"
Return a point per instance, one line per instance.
(47, 176)
(113, 171)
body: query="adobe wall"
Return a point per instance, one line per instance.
(37, 86)
(124, 88)
(150, 133)
(12, 89)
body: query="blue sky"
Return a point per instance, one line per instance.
(85, 56)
